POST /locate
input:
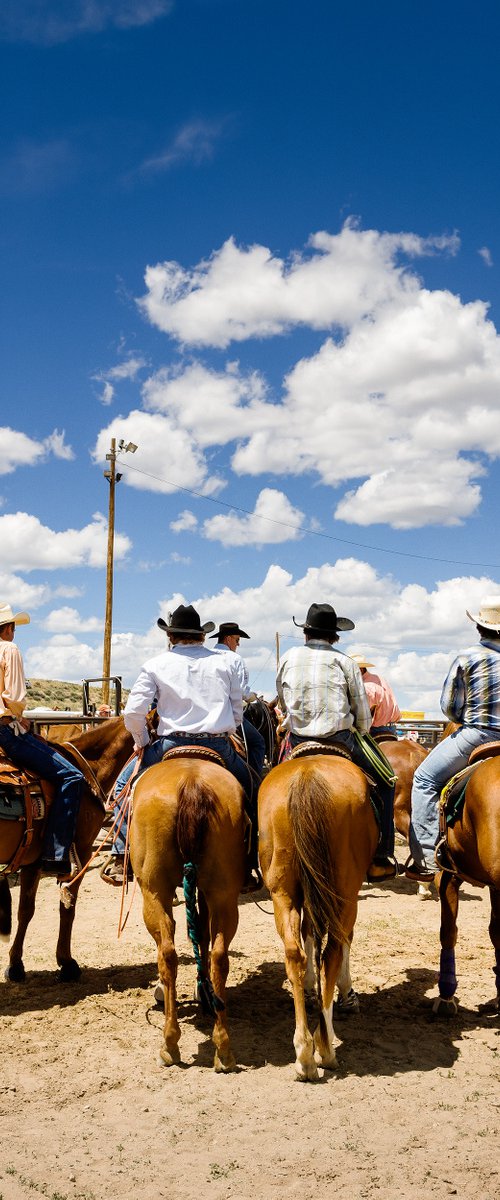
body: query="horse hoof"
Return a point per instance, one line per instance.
(347, 1005)
(424, 891)
(224, 1067)
(306, 1073)
(15, 973)
(445, 1008)
(69, 972)
(169, 1058)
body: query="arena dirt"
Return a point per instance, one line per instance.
(87, 1112)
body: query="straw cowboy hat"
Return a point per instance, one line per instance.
(229, 629)
(362, 662)
(185, 620)
(489, 613)
(7, 616)
(322, 618)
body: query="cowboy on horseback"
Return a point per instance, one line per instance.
(471, 699)
(383, 707)
(198, 696)
(321, 689)
(34, 753)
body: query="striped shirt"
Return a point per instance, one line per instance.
(471, 690)
(322, 690)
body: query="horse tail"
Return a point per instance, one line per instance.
(309, 811)
(197, 802)
(5, 910)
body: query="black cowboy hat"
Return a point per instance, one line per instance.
(229, 629)
(186, 620)
(322, 618)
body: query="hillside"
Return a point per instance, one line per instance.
(54, 693)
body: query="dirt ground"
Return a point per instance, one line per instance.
(88, 1112)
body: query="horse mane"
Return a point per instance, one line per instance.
(309, 811)
(197, 802)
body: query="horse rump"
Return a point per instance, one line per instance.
(5, 910)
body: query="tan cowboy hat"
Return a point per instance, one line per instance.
(362, 662)
(489, 613)
(7, 616)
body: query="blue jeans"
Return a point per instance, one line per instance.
(154, 754)
(37, 755)
(256, 749)
(444, 760)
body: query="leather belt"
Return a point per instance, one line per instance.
(182, 734)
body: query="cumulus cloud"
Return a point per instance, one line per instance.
(167, 456)
(27, 545)
(50, 22)
(239, 293)
(186, 522)
(400, 400)
(19, 450)
(273, 520)
(68, 620)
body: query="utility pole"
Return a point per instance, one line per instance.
(113, 476)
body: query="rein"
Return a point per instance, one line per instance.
(96, 787)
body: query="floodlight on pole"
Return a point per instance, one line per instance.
(113, 477)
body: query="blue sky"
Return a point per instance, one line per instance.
(260, 241)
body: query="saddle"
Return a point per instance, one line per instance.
(25, 799)
(308, 749)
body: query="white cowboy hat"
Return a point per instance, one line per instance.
(489, 613)
(7, 616)
(361, 661)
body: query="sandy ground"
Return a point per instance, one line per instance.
(88, 1112)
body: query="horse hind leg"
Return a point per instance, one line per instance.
(494, 932)
(287, 919)
(161, 925)
(30, 878)
(347, 999)
(5, 910)
(324, 1036)
(223, 926)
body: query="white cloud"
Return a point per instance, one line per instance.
(27, 545)
(50, 22)
(167, 457)
(127, 370)
(68, 620)
(186, 522)
(485, 254)
(245, 292)
(19, 450)
(235, 401)
(195, 142)
(273, 520)
(21, 595)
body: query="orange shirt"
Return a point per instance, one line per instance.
(381, 700)
(12, 681)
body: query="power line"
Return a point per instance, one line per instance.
(330, 537)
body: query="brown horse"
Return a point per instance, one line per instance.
(105, 750)
(188, 827)
(317, 837)
(404, 756)
(474, 849)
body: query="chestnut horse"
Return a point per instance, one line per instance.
(474, 855)
(317, 838)
(105, 750)
(188, 827)
(404, 756)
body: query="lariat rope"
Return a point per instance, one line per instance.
(210, 1002)
(124, 796)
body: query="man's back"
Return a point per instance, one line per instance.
(321, 690)
(198, 691)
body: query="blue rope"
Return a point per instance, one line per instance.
(210, 1002)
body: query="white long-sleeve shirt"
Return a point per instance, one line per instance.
(197, 692)
(221, 648)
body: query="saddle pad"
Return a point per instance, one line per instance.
(204, 752)
(15, 786)
(452, 797)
